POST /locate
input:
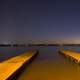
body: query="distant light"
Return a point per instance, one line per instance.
(5, 42)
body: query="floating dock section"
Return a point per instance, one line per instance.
(10, 67)
(74, 56)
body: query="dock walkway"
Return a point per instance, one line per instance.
(74, 56)
(10, 66)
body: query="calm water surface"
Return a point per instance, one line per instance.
(48, 65)
(8, 52)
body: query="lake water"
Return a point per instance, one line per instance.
(8, 52)
(48, 65)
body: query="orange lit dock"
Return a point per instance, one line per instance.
(12, 65)
(74, 56)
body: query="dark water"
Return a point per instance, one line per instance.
(8, 52)
(49, 64)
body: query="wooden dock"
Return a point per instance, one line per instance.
(74, 56)
(9, 67)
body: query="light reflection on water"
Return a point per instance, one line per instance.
(50, 65)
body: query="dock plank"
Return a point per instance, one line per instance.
(8, 67)
(72, 54)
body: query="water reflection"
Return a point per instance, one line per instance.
(49, 65)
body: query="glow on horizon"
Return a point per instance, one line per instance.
(58, 41)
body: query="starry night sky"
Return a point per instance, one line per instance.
(39, 21)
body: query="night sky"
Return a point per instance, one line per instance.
(39, 21)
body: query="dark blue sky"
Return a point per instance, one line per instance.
(39, 21)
